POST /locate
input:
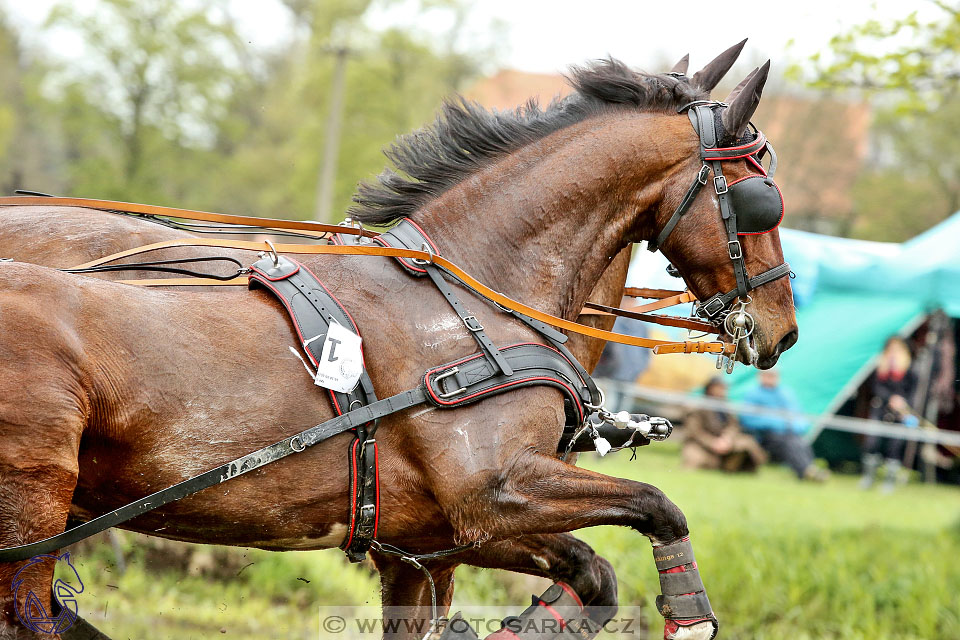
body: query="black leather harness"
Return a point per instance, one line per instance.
(703, 118)
(312, 307)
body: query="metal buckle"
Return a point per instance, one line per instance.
(702, 175)
(720, 184)
(734, 250)
(711, 308)
(472, 323)
(450, 394)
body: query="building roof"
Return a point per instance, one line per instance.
(821, 142)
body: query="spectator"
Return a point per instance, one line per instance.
(893, 384)
(713, 439)
(780, 437)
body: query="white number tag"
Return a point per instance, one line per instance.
(341, 361)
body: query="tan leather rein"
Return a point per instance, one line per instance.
(665, 298)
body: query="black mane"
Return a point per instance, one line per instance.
(466, 137)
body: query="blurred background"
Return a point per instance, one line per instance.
(279, 107)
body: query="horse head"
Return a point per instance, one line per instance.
(718, 226)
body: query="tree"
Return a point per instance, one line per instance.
(913, 179)
(160, 74)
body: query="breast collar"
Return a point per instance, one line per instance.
(717, 307)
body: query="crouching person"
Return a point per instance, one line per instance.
(714, 440)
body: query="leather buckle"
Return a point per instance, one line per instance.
(472, 323)
(711, 308)
(720, 184)
(734, 250)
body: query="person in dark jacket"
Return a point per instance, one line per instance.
(893, 388)
(713, 439)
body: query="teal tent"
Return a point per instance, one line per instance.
(851, 296)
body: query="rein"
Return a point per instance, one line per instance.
(658, 346)
(249, 225)
(313, 229)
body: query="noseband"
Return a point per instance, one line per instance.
(756, 199)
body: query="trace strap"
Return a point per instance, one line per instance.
(228, 471)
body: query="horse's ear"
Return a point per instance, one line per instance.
(710, 76)
(682, 64)
(736, 116)
(737, 89)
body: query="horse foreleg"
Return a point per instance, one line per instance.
(406, 595)
(538, 494)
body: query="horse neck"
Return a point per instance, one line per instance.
(542, 224)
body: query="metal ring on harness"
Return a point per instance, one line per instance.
(273, 253)
(428, 249)
(595, 407)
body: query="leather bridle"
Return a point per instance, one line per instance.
(718, 308)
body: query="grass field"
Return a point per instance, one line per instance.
(781, 560)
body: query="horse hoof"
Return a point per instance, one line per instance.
(703, 630)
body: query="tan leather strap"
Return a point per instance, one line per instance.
(643, 292)
(470, 281)
(593, 308)
(318, 229)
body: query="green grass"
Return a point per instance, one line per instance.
(781, 560)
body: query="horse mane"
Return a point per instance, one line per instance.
(466, 137)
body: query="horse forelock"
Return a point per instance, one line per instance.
(466, 137)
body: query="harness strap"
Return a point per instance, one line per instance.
(593, 308)
(688, 199)
(369, 250)
(320, 230)
(228, 471)
(312, 307)
(469, 320)
(713, 306)
(474, 378)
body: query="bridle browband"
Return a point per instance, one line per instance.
(701, 113)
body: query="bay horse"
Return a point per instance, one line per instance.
(63, 237)
(617, 141)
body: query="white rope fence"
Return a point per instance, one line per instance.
(818, 422)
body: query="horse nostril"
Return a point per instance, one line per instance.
(787, 341)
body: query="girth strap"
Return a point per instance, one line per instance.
(312, 308)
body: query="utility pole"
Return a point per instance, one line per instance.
(331, 148)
